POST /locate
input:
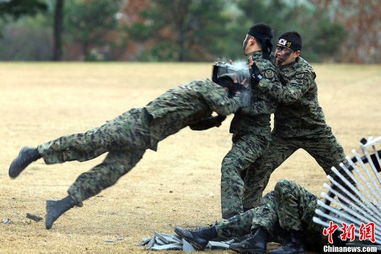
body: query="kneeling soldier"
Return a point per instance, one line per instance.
(284, 214)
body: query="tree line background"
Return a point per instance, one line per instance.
(183, 30)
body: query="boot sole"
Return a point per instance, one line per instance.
(48, 217)
(194, 244)
(249, 251)
(18, 166)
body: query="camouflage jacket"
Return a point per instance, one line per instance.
(185, 105)
(298, 113)
(255, 119)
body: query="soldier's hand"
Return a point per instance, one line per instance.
(250, 61)
(255, 72)
(219, 120)
(207, 123)
(237, 88)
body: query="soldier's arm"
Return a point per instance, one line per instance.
(292, 91)
(227, 105)
(270, 74)
(219, 101)
(207, 123)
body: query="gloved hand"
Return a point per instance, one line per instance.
(228, 84)
(207, 123)
(255, 74)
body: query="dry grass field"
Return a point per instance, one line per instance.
(178, 185)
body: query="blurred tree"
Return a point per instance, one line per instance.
(185, 30)
(321, 37)
(89, 22)
(362, 21)
(17, 8)
(27, 39)
(188, 30)
(57, 31)
(180, 30)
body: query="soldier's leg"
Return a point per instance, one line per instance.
(90, 183)
(236, 226)
(263, 215)
(245, 151)
(295, 212)
(260, 222)
(325, 150)
(115, 165)
(264, 223)
(296, 205)
(328, 153)
(126, 130)
(119, 133)
(258, 174)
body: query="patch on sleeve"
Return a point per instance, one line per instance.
(269, 74)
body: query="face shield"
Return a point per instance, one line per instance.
(238, 72)
(244, 43)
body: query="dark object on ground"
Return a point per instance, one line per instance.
(34, 217)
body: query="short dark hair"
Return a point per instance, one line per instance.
(263, 34)
(294, 38)
(261, 30)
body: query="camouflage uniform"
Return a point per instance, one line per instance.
(299, 123)
(288, 207)
(251, 134)
(126, 137)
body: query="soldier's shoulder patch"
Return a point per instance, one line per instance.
(299, 75)
(269, 74)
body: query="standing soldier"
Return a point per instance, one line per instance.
(299, 120)
(251, 125)
(126, 138)
(284, 215)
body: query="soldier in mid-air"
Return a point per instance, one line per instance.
(126, 138)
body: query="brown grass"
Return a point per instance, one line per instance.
(178, 185)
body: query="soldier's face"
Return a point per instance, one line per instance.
(284, 55)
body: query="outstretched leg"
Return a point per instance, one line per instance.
(126, 130)
(90, 183)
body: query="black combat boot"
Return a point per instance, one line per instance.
(199, 238)
(26, 156)
(294, 244)
(54, 209)
(255, 243)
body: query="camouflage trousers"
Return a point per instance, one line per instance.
(245, 150)
(125, 139)
(325, 150)
(288, 207)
